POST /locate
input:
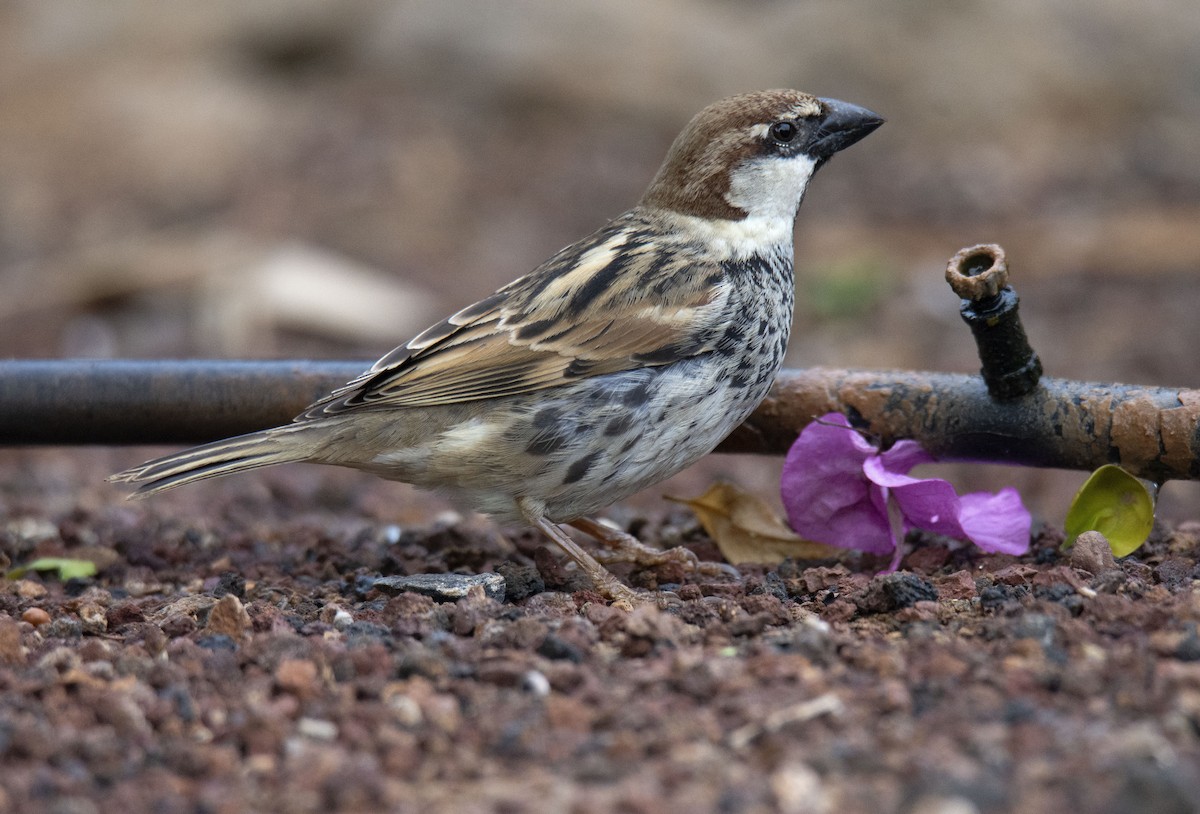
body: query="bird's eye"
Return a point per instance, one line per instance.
(784, 131)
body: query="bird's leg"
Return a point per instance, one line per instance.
(605, 583)
(624, 547)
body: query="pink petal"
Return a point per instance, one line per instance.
(903, 456)
(836, 488)
(824, 492)
(926, 503)
(998, 522)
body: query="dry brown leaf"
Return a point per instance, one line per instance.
(746, 529)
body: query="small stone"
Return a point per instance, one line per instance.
(945, 805)
(1037, 626)
(193, 607)
(894, 591)
(1175, 573)
(798, 789)
(443, 712)
(959, 585)
(64, 628)
(337, 616)
(535, 683)
(230, 582)
(35, 616)
(1188, 648)
(995, 597)
(228, 617)
(317, 728)
(557, 648)
(28, 589)
(94, 619)
(404, 707)
(444, 587)
(216, 642)
(177, 625)
(521, 581)
(1092, 553)
(297, 676)
(12, 652)
(1016, 574)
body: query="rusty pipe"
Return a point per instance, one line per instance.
(1154, 432)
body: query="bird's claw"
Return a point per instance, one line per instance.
(643, 556)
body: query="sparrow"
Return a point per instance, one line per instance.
(619, 361)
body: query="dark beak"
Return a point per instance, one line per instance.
(843, 125)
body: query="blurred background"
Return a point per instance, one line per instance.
(303, 178)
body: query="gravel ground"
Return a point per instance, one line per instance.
(237, 651)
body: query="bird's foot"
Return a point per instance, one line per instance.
(625, 548)
(603, 581)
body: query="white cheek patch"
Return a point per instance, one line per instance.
(770, 187)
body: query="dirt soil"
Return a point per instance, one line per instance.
(234, 653)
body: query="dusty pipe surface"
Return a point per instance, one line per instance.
(156, 402)
(1153, 432)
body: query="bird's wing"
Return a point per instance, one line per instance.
(617, 301)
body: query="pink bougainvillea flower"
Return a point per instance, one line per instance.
(839, 489)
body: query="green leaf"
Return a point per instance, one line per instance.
(1117, 505)
(66, 568)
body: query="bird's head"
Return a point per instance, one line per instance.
(752, 155)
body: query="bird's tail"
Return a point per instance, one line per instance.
(239, 454)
